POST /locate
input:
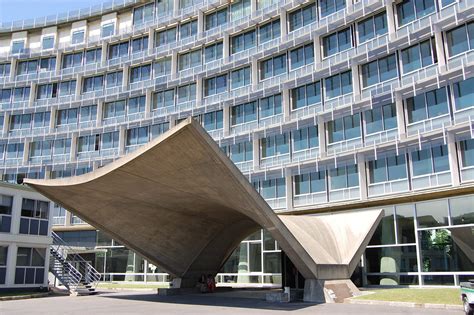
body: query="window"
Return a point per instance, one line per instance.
(239, 9)
(78, 37)
(338, 84)
(305, 138)
(244, 113)
(114, 109)
(136, 104)
(47, 91)
(88, 113)
(15, 150)
(243, 41)
(158, 129)
(460, 39)
(93, 84)
(5, 69)
(271, 188)
(30, 265)
(93, 56)
(310, 183)
(270, 106)
(213, 120)
(464, 94)
(302, 56)
(41, 119)
(306, 95)
(302, 17)
(344, 128)
(431, 160)
(6, 205)
(187, 93)
(387, 169)
(344, 177)
(427, 105)
(165, 37)
(269, 31)
(216, 18)
(110, 140)
(163, 99)
(41, 148)
(28, 66)
(372, 27)
(140, 73)
(67, 88)
(410, 10)
(34, 217)
(240, 78)
(273, 67)
(47, 42)
(379, 70)
(18, 46)
(47, 64)
(118, 50)
(143, 14)
(215, 85)
(21, 94)
(62, 146)
(139, 44)
(381, 118)
(328, 7)
(88, 143)
(188, 29)
(467, 152)
(5, 95)
(275, 145)
(241, 152)
(162, 67)
(213, 52)
(189, 60)
(114, 79)
(107, 30)
(72, 60)
(67, 116)
(22, 121)
(136, 136)
(418, 56)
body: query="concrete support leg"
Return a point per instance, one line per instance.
(314, 291)
(329, 291)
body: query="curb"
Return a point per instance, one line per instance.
(405, 304)
(105, 289)
(24, 297)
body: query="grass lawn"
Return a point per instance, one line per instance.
(117, 285)
(425, 295)
(5, 294)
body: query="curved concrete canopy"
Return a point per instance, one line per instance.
(182, 204)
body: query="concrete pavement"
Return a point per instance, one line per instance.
(149, 303)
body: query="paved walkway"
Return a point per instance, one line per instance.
(126, 302)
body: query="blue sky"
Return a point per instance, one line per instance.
(13, 10)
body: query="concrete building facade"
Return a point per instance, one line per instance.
(324, 106)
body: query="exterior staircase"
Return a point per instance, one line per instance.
(76, 274)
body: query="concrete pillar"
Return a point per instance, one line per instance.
(253, 7)
(362, 176)
(201, 23)
(6, 123)
(199, 91)
(453, 160)
(32, 96)
(172, 121)
(286, 104)
(255, 72)
(151, 41)
(103, 56)
(174, 65)
(59, 58)
(122, 138)
(26, 151)
(226, 119)
(148, 102)
(16, 214)
(400, 116)
(226, 47)
(68, 218)
(52, 119)
(256, 151)
(390, 20)
(78, 87)
(73, 152)
(125, 76)
(283, 23)
(322, 136)
(100, 112)
(13, 66)
(289, 189)
(176, 6)
(11, 262)
(317, 50)
(440, 49)
(355, 81)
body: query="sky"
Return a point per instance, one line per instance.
(13, 10)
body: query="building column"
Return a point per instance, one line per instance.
(321, 136)
(226, 47)
(11, 264)
(438, 36)
(200, 23)
(13, 65)
(390, 20)
(68, 218)
(6, 123)
(253, 7)
(400, 116)
(199, 91)
(148, 102)
(26, 151)
(151, 41)
(172, 121)
(52, 119)
(59, 58)
(286, 104)
(176, 6)
(16, 214)
(174, 65)
(289, 189)
(77, 93)
(317, 49)
(361, 169)
(100, 112)
(355, 81)
(283, 23)
(32, 96)
(226, 119)
(453, 159)
(125, 76)
(122, 136)
(103, 56)
(255, 74)
(73, 152)
(256, 151)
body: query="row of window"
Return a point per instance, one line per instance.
(30, 265)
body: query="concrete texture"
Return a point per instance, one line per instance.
(182, 204)
(149, 303)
